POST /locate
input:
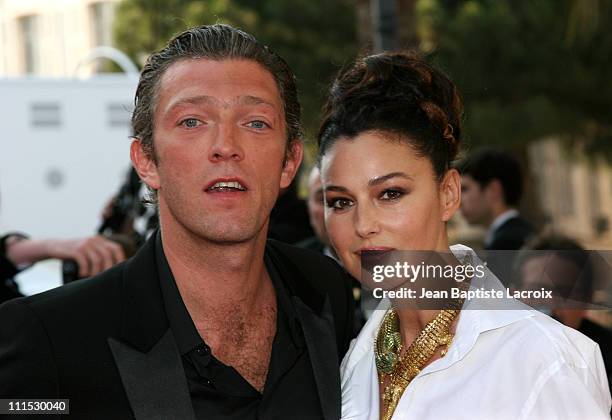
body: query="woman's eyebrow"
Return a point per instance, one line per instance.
(380, 179)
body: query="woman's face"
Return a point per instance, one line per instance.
(380, 195)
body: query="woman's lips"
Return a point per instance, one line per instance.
(374, 250)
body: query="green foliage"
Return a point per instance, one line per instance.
(315, 37)
(526, 69)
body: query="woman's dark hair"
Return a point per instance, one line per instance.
(397, 94)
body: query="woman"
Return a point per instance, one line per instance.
(391, 129)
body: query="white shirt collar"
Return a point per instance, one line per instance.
(498, 221)
(477, 316)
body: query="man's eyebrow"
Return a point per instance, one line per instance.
(254, 100)
(193, 100)
(245, 100)
(380, 179)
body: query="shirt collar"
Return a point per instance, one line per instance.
(185, 333)
(477, 316)
(181, 323)
(498, 222)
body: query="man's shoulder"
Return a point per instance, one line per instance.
(317, 279)
(516, 225)
(313, 243)
(549, 341)
(317, 268)
(512, 234)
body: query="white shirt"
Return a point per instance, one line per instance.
(506, 363)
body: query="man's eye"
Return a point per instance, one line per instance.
(190, 122)
(258, 124)
(391, 195)
(339, 204)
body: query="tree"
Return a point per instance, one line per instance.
(527, 69)
(315, 37)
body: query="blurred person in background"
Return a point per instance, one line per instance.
(491, 188)
(566, 269)
(316, 213)
(289, 217)
(129, 217)
(92, 255)
(320, 241)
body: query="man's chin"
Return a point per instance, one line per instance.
(228, 235)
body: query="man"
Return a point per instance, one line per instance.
(208, 320)
(320, 242)
(491, 188)
(316, 211)
(289, 217)
(561, 265)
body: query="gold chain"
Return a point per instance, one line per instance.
(401, 369)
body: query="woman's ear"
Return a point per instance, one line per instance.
(450, 194)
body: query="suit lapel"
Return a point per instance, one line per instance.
(315, 315)
(154, 382)
(146, 355)
(321, 343)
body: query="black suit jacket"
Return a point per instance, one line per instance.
(105, 343)
(511, 235)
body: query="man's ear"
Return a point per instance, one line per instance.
(292, 163)
(450, 194)
(144, 165)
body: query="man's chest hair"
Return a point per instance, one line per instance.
(243, 342)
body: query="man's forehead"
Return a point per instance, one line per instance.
(209, 70)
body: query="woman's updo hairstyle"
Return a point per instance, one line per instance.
(398, 94)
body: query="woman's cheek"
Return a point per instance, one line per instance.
(334, 233)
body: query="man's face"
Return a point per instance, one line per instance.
(220, 142)
(474, 204)
(557, 274)
(316, 206)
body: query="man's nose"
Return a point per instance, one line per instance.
(226, 144)
(366, 221)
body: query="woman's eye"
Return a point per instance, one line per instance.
(339, 203)
(257, 124)
(190, 122)
(391, 195)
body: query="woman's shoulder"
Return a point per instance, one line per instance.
(541, 343)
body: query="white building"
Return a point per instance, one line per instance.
(49, 37)
(65, 148)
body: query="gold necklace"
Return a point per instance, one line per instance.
(401, 369)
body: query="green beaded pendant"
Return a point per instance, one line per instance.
(388, 344)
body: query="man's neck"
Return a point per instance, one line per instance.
(212, 276)
(497, 210)
(500, 215)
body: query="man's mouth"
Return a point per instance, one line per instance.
(226, 186)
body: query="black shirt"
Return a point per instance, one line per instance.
(218, 390)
